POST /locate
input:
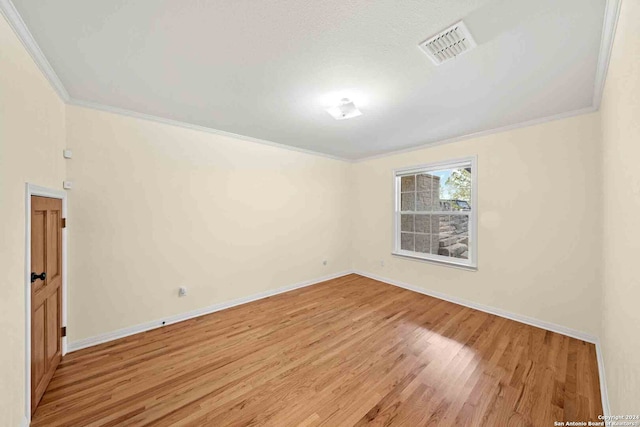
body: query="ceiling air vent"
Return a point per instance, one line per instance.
(449, 43)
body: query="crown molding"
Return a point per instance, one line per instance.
(612, 11)
(16, 22)
(609, 25)
(177, 123)
(545, 119)
(20, 28)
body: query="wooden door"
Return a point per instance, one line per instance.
(46, 293)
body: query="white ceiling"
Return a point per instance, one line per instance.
(268, 69)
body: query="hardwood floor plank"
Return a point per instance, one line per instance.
(350, 351)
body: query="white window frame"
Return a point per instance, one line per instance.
(472, 262)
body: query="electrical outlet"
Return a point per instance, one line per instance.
(381, 263)
(182, 292)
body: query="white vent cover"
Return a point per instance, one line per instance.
(449, 43)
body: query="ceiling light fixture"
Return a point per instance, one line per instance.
(346, 109)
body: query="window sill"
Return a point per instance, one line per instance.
(460, 266)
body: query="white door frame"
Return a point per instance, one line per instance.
(35, 190)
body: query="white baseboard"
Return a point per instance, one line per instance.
(121, 333)
(563, 330)
(487, 309)
(604, 394)
(131, 330)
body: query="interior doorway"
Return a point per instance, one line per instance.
(46, 289)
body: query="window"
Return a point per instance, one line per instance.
(435, 212)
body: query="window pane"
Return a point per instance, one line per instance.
(408, 183)
(423, 243)
(407, 202)
(435, 212)
(427, 182)
(425, 201)
(423, 223)
(454, 236)
(454, 190)
(428, 187)
(406, 222)
(407, 241)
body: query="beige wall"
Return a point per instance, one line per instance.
(539, 220)
(155, 207)
(32, 136)
(621, 137)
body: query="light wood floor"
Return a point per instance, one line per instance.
(351, 351)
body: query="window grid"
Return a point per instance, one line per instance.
(448, 232)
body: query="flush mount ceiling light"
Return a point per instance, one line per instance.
(346, 109)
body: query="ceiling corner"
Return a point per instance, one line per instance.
(611, 13)
(19, 27)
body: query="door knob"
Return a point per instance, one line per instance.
(40, 276)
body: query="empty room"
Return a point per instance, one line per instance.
(335, 213)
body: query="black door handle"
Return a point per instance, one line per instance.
(40, 276)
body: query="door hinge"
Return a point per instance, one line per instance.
(63, 331)
(63, 223)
